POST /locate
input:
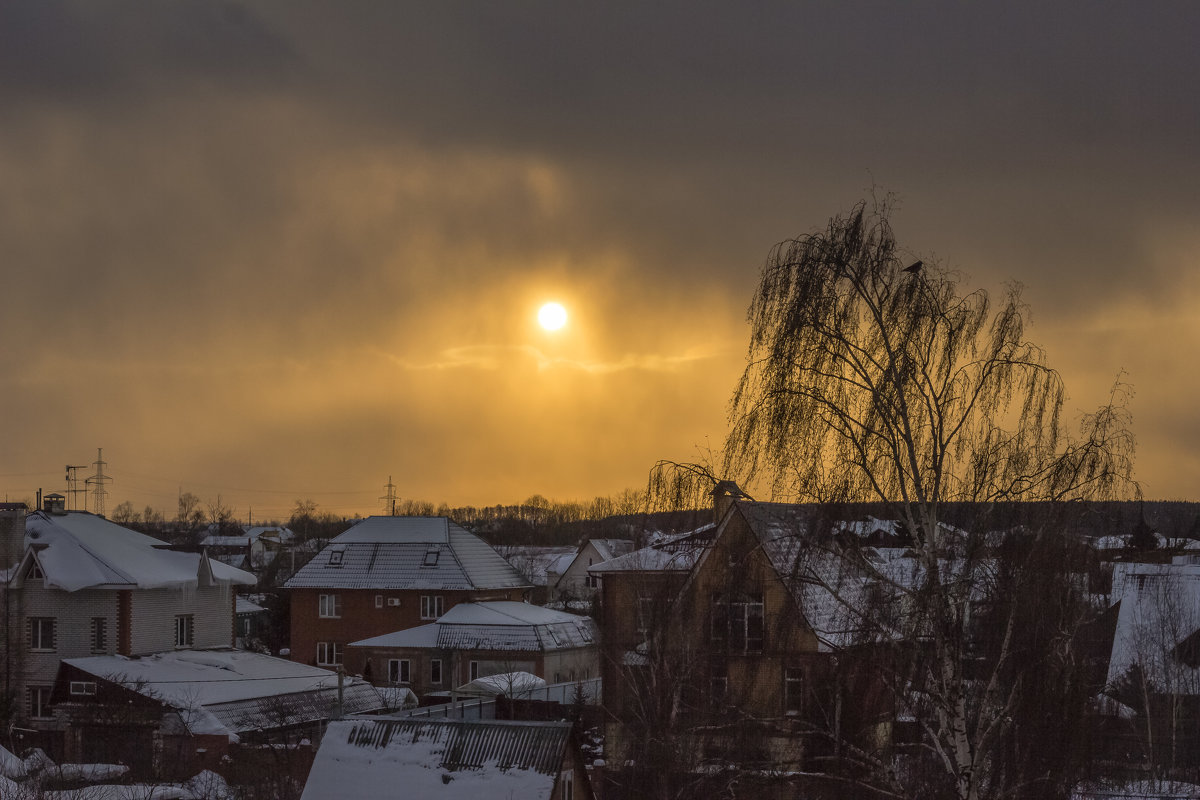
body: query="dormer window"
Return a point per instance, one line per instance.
(431, 558)
(35, 572)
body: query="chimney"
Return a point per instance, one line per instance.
(724, 493)
(55, 503)
(12, 533)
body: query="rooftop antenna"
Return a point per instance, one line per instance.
(98, 483)
(390, 498)
(73, 487)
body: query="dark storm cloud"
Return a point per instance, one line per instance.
(206, 202)
(84, 52)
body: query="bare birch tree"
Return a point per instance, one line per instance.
(873, 380)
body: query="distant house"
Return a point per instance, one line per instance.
(172, 714)
(85, 586)
(448, 759)
(539, 565)
(569, 577)
(475, 640)
(250, 619)
(253, 549)
(387, 574)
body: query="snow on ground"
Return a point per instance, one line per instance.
(10, 765)
(1138, 790)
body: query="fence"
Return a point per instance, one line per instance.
(567, 693)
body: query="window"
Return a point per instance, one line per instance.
(431, 606)
(329, 654)
(335, 558)
(473, 670)
(738, 623)
(645, 613)
(568, 785)
(379, 601)
(399, 670)
(41, 633)
(592, 581)
(329, 605)
(35, 572)
(83, 687)
(435, 671)
(184, 630)
(793, 691)
(431, 558)
(99, 634)
(718, 685)
(39, 702)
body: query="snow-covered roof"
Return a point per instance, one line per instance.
(225, 541)
(611, 548)
(78, 550)
(408, 553)
(511, 684)
(243, 605)
(276, 532)
(535, 562)
(1160, 609)
(224, 691)
(438, 759)
(496, 625)
(671, 554)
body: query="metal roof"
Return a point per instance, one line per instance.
(407, 553)
(499, 625)
(470, 744)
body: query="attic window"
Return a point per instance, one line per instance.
(83, 687)
(431, 558)
(335, 558)
(35, 572)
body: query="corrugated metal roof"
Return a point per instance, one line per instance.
(286, 710)
(407, 553)
(470, 744)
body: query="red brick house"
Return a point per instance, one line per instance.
(387, 574)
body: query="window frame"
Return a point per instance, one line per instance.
(38, 701)
(402, 672)
(37, 634)
(432, 606)
(185, 630)
(794, 681)
(99, 635)
(435, 672)
(472, 670)
(739, 623)
(329, 605)
(327, 651)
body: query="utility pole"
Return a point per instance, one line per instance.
(73, 489)
(98, 483)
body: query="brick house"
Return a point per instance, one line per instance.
(475, 640)
(85, 586)
(387, 574)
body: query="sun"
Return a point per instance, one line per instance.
(552, 316)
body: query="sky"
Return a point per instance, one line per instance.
(285, 249)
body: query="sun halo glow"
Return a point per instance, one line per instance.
(552, 316)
